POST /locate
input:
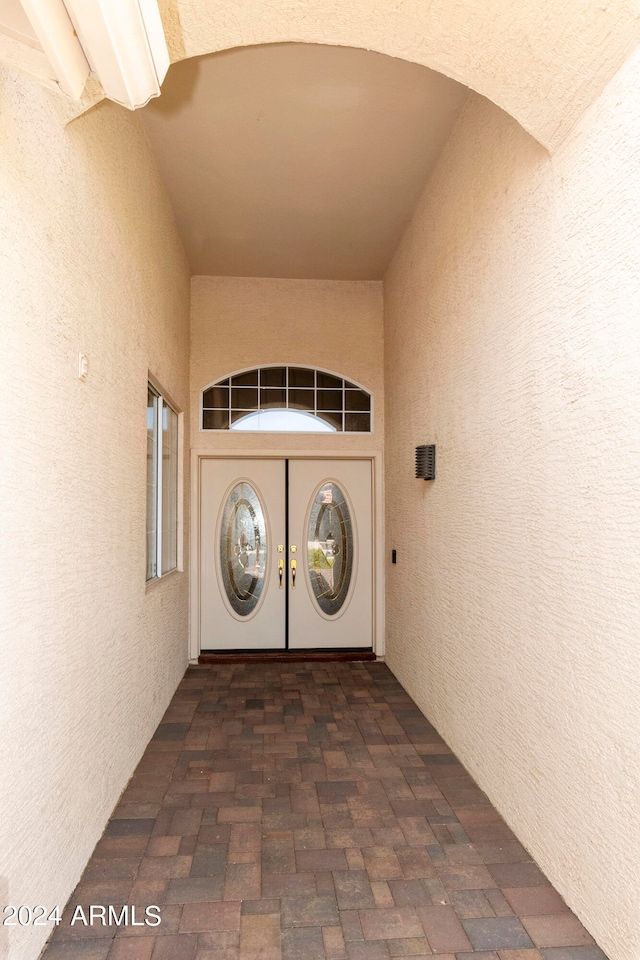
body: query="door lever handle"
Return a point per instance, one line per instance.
(294, 565)
(280, 573)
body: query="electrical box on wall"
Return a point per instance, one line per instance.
(83, 367)
(426, 462)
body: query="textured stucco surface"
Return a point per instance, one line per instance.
(245, 322)
(543, 61)
(90, 262)
(511, 341)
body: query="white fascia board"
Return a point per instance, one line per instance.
(54, 30)
(124, 42)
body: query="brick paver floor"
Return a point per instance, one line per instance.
(309, 811)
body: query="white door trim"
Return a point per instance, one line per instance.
(378, 529)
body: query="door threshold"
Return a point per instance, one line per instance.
(285, 656)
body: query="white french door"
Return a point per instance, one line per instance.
(330, 522)
(286, 554)
(242, 524)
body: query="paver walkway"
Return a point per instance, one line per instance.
(309, 811)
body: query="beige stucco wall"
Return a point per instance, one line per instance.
(90, 262)
(512, 342)
(245, 322)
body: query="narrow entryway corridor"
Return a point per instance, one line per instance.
(307, 811)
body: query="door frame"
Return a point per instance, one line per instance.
(374, 457)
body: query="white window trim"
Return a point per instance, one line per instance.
(162, 397)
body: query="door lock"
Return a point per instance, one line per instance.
(293, 548)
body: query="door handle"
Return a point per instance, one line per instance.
(280, 573)
(294, 564)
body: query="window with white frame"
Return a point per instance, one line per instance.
(290, 399)
(162, 485)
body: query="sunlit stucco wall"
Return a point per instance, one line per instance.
(512, 342)
(90, 262)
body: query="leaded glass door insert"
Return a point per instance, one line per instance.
(243, 548)
(330, 548)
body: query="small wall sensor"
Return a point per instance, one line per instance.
(426, 462)
(83, 366)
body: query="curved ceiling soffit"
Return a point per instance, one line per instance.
(542, 61)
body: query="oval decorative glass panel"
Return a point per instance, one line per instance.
(330, 548)
(243, 548)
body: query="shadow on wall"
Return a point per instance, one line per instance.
(176, 95)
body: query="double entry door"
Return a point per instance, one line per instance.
(286, 554)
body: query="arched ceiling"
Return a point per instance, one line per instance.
(543, 61)
(298, 160)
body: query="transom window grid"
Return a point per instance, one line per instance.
(340, 403)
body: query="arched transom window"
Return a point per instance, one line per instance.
(292, 399)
